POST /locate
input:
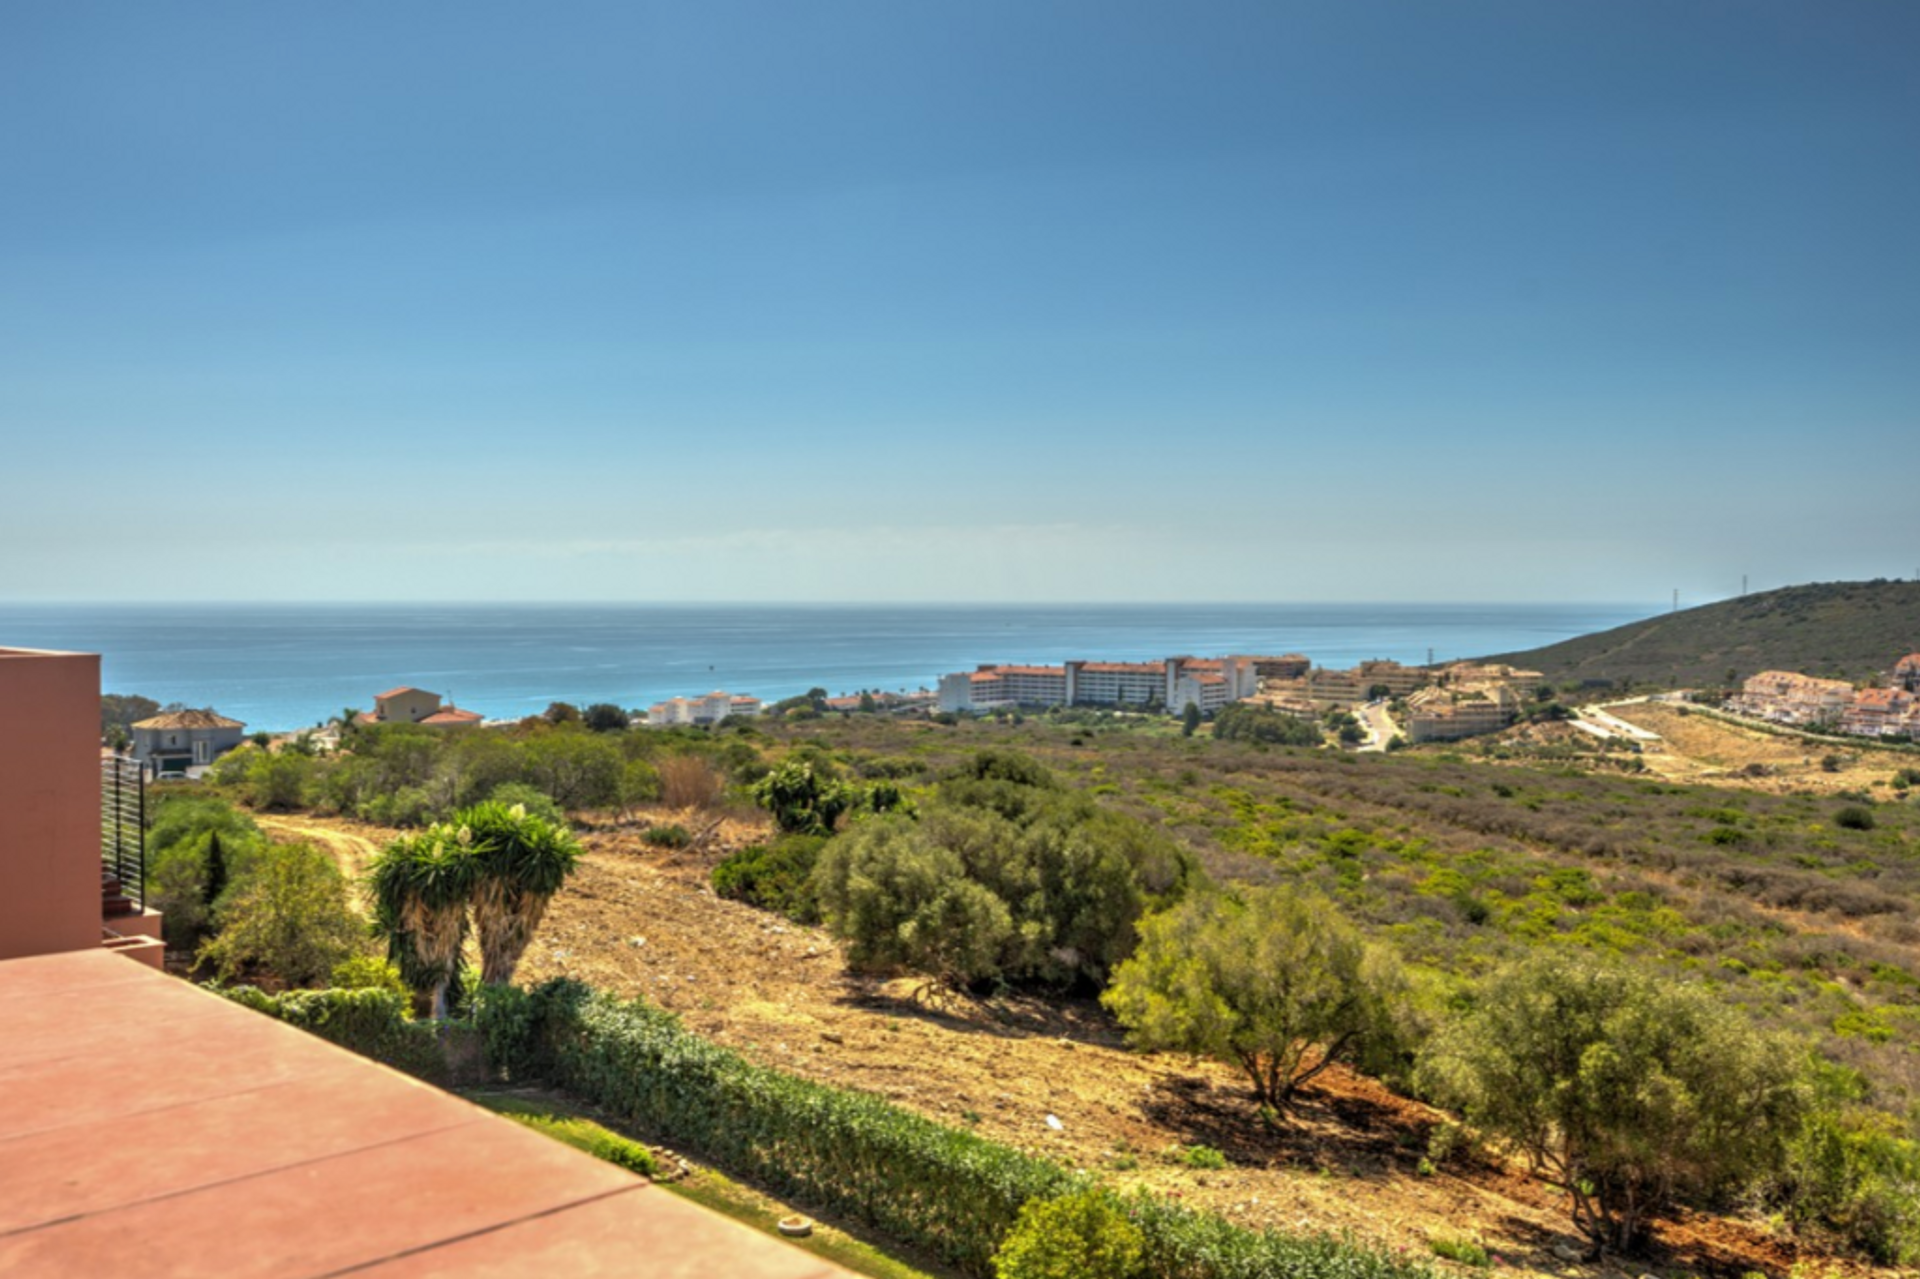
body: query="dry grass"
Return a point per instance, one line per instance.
(688, 781)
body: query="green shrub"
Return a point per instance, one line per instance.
(1078, 1236)
(1242, 722)
(536, 801)
(775, 876)
(671, 836)
(998, 879)
(803, 800)
(1275, 982)
(373, 1023)
(1629, 1090)
(1851, 1176)
(1464, 1251)
(901, 900)
(367, 972)
(287, 915)
(1203, 1157)
(1854, 817)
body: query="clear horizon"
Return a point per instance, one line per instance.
(1380, 302)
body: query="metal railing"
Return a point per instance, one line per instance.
(123, 825)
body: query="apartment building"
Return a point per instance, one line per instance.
(1170, 684)
(1398, 680)
(711, 709)
(1881, 712)
(1786, 698)
(1285, 666)
(1466, 710)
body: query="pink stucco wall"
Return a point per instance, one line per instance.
(49, 802)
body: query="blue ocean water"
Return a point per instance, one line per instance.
(285, 666)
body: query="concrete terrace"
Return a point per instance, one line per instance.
(148, 1127)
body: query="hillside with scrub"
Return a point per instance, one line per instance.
(1294, 990)
(1838, 630)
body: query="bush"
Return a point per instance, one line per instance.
(903, 901)
(1244, 722)
(196, 847)
(1630, 1091)
(367, 972)
(605, 717)
(1850, 1175)
(373, 1023)
(1275, 982)
(287, 915)
(673, 836)
(1854, 817)
(1078, 1236)
(802, 800)
(536, 801)
(774, 876)
(576, 768)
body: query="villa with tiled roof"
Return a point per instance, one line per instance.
(407, 705)
(175, 741)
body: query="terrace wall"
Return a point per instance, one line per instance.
(49, 802)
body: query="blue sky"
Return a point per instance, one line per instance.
(996, 301)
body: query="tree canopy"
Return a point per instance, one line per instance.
(1273, 980)
(1629, 1090)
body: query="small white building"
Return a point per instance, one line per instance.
(710, 709)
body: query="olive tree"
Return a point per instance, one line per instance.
(1273, 980)
(902, 900)
(1629, 1090)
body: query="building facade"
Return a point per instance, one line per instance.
(1170, 684)
(168, 745)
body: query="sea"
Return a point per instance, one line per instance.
(284, 666)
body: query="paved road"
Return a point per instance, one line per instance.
(1379, 725)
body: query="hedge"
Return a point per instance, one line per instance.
(952, 1193)
(373, 1023)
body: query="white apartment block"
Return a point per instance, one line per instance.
(711, 709)
(1170, 684)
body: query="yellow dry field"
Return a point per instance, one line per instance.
(1702, 748)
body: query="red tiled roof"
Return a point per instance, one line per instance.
(189, 719)
(453, 715)
(396, 692)
(1030, 670)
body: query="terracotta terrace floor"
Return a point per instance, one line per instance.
(148, 1128)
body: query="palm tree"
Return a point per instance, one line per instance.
(520, 863)
(421, 888)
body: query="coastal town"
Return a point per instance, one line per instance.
(1402, 703)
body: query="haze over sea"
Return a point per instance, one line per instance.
(287, 666)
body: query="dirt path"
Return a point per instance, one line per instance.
(351, 843)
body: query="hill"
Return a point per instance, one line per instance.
(1841, 630)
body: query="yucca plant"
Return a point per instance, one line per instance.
(520, 862)
(421, 888)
